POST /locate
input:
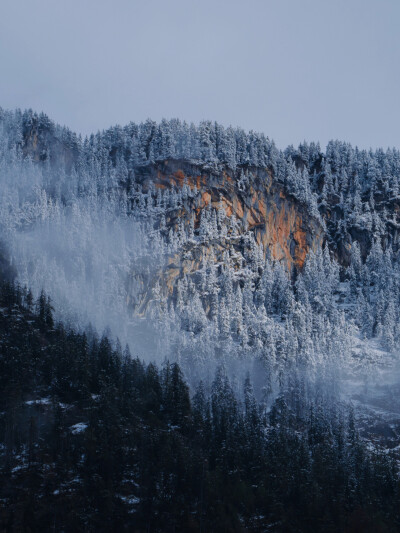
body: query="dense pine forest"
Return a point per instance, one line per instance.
(94, 439)
(258, 291)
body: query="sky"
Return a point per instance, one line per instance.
(296, 70)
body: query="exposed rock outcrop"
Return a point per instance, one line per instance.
(280, 224)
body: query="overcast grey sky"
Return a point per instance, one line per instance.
(294, 69)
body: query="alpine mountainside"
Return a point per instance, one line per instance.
(207, 244)
(259, 291)
(250, 249)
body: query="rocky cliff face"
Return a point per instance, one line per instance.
(283, 226)
(262, 212)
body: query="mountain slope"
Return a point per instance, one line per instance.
(223, 243)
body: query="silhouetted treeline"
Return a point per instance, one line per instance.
(92, 439)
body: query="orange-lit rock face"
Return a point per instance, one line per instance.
(279, 223)
(284, 233)
(283, 226)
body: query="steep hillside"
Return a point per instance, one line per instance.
(218, 242)
(250, 194)
(354, 192)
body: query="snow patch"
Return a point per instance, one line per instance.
(78, 428)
